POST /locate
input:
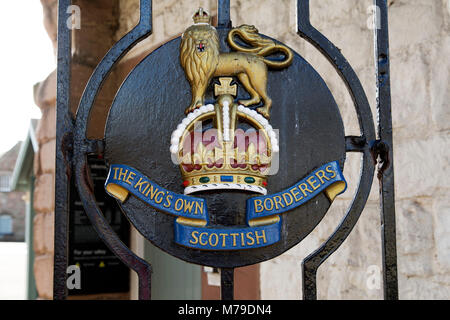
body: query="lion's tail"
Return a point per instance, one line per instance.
(260, 46)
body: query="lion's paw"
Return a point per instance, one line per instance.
(193, 106)
(264, 112)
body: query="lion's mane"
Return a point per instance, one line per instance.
(199, 67)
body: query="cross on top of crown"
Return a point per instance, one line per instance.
(225, 87)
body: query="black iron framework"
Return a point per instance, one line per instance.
(73, 148)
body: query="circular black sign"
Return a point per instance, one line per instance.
(150, 104)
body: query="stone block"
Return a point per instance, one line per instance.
(281, 279)
(440, 84)
(422, 166)
(414, 226)
(411, 116)
(272, 18)
(43, 273)
(415, 265)
(350, 35)
(46, 128)
(47, 156)
(49, 232)
(44, 193)
(441, 232)
(418, 288)
(343, 282)
(45, 92)
(39, 233)
(409, 20)
(329, 13)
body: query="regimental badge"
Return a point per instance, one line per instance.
(242, 140)
(202, 60)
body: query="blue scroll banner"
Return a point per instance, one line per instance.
(192, 220)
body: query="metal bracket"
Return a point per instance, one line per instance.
(380, 151)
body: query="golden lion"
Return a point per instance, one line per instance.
(201, 61)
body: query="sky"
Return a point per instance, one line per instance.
(26, 57)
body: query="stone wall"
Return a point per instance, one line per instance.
(419, 43)
(420, 46)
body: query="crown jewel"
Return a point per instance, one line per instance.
(201, 16)
(224, 146)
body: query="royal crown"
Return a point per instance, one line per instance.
(201, 16)
(224, 146)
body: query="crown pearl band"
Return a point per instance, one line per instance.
(192, 116)
(217, 163)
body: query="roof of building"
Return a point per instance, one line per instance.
(23, 168)
(8, 159)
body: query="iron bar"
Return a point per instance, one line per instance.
(95, 147)
(226, 274)
(224, 14)
(227, 283)
(386, 174)
(64, 127)
(82, 146)
(341, 65)
(355, 144)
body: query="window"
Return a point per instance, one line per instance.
(5, 225)
(4, 183)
